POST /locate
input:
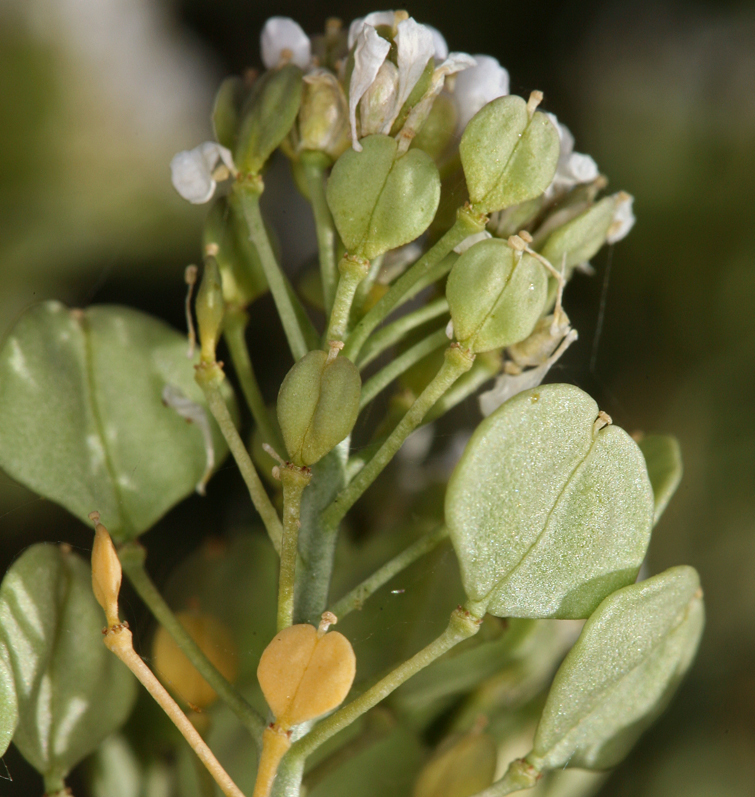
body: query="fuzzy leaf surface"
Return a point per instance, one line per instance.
(621, 673)
(72, 692)
(82, 421)
(664, 462)
(548, 516)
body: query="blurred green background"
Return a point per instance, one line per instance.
(96, 97)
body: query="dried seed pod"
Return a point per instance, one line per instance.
(305, 673)
(179, 674)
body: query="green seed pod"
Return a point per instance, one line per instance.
(495, 295)
(380, 202)
(621, 673)
(580, 238)
(509, 153)
(318, 404)
(226, 238)
(550, 507)
(210, 309)
(267, 117)
(324, 116)
(461, 767)
(439, 128)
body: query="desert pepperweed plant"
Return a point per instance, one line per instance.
(450, 216)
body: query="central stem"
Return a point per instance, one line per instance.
(294, 480)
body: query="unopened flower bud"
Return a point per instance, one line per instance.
(324, 115)
(377, 102)
(176, 671)
(305, 673)
(106, 571)
(318, 404)
(210, 309)
(269, 114)
(226, 110)
(496, 295)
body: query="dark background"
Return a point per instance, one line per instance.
(98, 96)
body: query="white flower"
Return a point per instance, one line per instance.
(283, 39)
(371, 50)
(573, 167)
(441, 48)
(623, 219)
(415, 46)
(375, 19)
(478, 86)
(194, 172)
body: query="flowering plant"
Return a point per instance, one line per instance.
(450, 216)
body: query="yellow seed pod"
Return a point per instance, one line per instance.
(179, 674)
(461, 767)
(305, 673)
(106, 571)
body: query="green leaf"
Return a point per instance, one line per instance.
(547, 515)
(664, 462)
(8, 700)
(82, 420)
(379, 202)
(507, 157)
(72, 692)
(621, 672)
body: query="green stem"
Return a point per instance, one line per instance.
(249, 194)
(467, 223)
(461, 626)
(365, 286)
(402, 363)
(486, 366)
(457, 362)
(132, 556)
(520, 775)
(233, 331)
(209, 377)
(353, 270)
(315, 167)
(356, 598)
(392, 333)
(294, 480)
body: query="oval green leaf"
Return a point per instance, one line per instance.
(380, 202)
(507, 157)
(547, 515)
(621, 673)
(82, 421)
(8, 700)
(664, 462)
(72, 692)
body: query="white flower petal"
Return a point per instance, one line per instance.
(564, 136)
(369, 55)
(191, 171)
(455, 62)
(471, 240)
(441, 48)
(478, 86)
(582, 167)
(283, 33)
(378, 100)
(375, 18)
(623, 219)
(506, 386)
(415, 48)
